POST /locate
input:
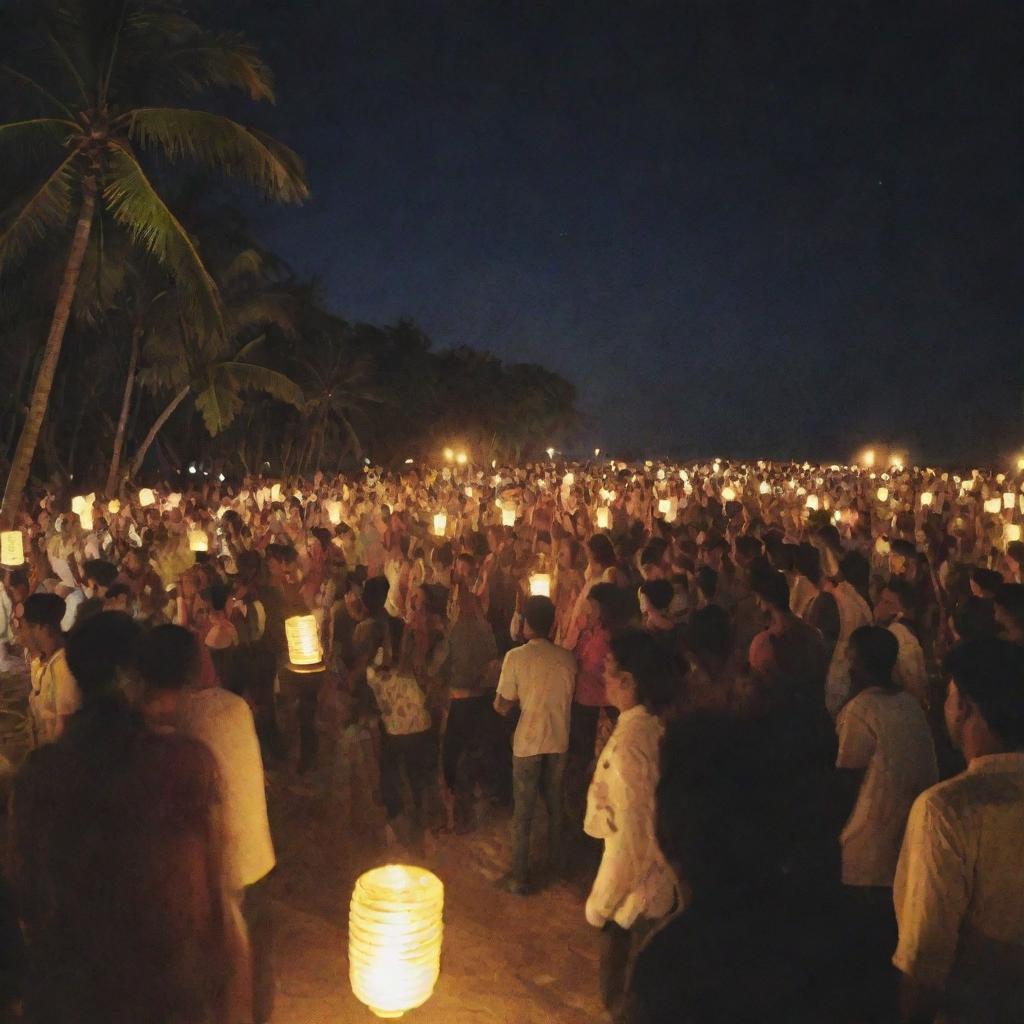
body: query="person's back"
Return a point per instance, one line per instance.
(545, 676)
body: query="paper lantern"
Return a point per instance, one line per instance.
(173, 499)
(198, 541)
(661, 474)
(1009, 499)
(993, 506)
(462, 458)
(395, 927)
(334, 512)
(303, 639)
(440, 524)
(882, 494)
(85, 517)
(12, 549)
(540, 585)
(113, 506)
(469, 490)
(79, 503)
(569, 479)
(728, 494)
(508, 517)
(812, 502)
(146, 497)
(765, 488)
(1011, 532)
(276, 494)
(603, 518)
(664, 506)
(927, 498)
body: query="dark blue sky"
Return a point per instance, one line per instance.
(765, 228)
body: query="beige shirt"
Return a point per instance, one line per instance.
(223, 721)
(887, 737)
(634, 879)
(911, 672)
(541, 677)
(54, 695)
(959, 891)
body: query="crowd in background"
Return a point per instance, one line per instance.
(774, 712)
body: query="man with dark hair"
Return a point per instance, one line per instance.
(169, 664)
(958, 893)
(54, 696)
(98, 576)
(1015, 561)
(541, 678)
(985, 583)
(895, 611)
(1009, 611)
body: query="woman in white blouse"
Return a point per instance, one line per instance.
(634, 885)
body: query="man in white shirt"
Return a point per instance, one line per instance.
(540, 677)
(958, 893)
(170, 666)
(54, 696)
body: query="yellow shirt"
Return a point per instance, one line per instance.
(959, 891)
(55, 694)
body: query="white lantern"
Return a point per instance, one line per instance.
(661, 474)
(113, 506)
(440, 524)
(664, 506)
(1011, 532)
(85, 517)
(812, 502)
(540, 585)
(765, 488)
(993, 506)
(508, 516)
(198, 541)
(12, 549)
(882, 494)
(728, 494)
(276, 494)
(334, 512)
(569, 479)
(79, 504)
(303, 639)
(146, 497)
(927, 498)
(603, 518)
(1009, 499)
(469, 490)
(395, 928)
(174, 499)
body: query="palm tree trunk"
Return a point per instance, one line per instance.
(173, 404)
(126, 404)
(22, 464)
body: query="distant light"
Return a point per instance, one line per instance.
(462, 458)
(868, 458)
(408, 462)
(551, 453)
(192, 469)
(597, 452)
(221, 477)
(449, 455)
(366, 462)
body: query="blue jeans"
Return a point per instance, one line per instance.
(530, 775)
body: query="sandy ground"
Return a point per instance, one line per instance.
(506, 959)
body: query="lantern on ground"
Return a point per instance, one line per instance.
(440, 524)
(603, 518)
(198, 541)
(12, 549)
(303, 638)
(508, 516)
(146, 497)
(540, 585)
(395, 928)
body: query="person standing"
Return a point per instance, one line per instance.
(634, 885)
(958, 893)
(540, 677)
(54, 696)
(894, 611)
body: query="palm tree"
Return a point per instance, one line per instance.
(107, 93)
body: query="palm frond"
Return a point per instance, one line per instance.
(218, 403)
(247, 263)
(259, 309)
(250, 377)
(46, 211)
(39, 90)
(222, 144)
(217, 62)
(135, 204)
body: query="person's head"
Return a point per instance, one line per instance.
(895, 602)
(1009, 611)
(102, 653)
(280, 558)
(117, 599)
(18, 585)
(538, 617)
(747, 548)
(973, 618)
(707, 584)
(709, 636)
(638, 670)
(652, 565)
(604, 606)
(217, 596)
(984, 707)
(135, 561)
(874, 650)
(601, 551)
(656, 596)
(40, 622)
(985, 582)
(1015, 557)
(568, 553)
(465, 568)
(807, 560)
(169, 662)
(856, 569)
(375, 594)
(772, 591)
(902, 557)
(98, 576)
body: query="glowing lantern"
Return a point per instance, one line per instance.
(461, 458)
(683, 475)
(812, 502)
(765, 488)
(303, 637)
(993, 506)
(395, 928)
(664, 506)
(569, 479)
(551, 453)
(882, 546)
(440, 524)
(540, 585)
(173, 500)
(1020, 465)
(198, 541)
(603, 518)
(113, 506)
(1009, 499)
(837, 517)
(661, 474)
(449, 455)
(12, 549)
(1011, 532)
(508, 517)
(597, 452)
(146, 497)
(882, 494)
(868, 458)
(79, 504)
(728, 494)
(927, 498)
(334, 512)
(469, 491)
(85, 517)
(275, 493)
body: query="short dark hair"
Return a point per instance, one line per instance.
(772, 588)
(899, 546)
(375, 593)
(281, 553)
(990, 673)
(877, 650)
(609, 600)
(601, 548)
(100, 571)
(748, 546)
(903, 591)
(707, 581)
(118, 590)
(217, 595)
(659, 593)
(169, 658)
(45, 610)
(808, 562)
(710, 632)
(539, 614)
(638, 653)
(100, 646)
(1015, 550)
(1010, 597)
(987, 579)
(974, 617)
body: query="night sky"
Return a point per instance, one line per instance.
(761, 229)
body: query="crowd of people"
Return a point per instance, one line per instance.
(774, 714)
